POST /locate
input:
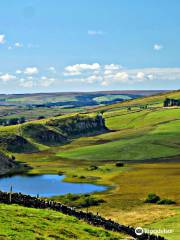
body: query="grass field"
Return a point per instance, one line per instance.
(139, 135)
(168, 224)
(19, 223)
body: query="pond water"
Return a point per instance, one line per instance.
(46, 185)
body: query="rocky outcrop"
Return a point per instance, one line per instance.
(43, 134)
(79, 125)
(7, 164)
(15, 143)
(54, 132)
(60, 130)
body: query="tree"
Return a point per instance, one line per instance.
(41, 117)
(22, 120)
(13, 121)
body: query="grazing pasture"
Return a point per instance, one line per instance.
(28, 223)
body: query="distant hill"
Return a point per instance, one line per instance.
(64, 97)
(42, 105)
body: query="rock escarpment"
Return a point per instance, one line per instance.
(7, 164)
(14, 143)
(52, 132)
(79, 125)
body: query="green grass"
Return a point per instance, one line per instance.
(136, 149)
(19, 223)
(139, 135)
(170, 223)
(151, 101)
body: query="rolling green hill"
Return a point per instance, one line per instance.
(152, 101)
(137, 134)
(37, 135)
(38, 105)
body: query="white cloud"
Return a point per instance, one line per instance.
(140, 76)
(18, 45)
(7, 77)
(157, 47)
(115, 74)
(18, 71)
(77, 69)
(95, 32)
(112, 66)
(150, 77)
(93, 79)
(31, 70)
(2, 38)
(121, 77)
(108, 72)
(105, 83)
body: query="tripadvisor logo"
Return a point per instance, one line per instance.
(139, 231)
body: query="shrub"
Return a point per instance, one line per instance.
(82, 177)
(41, 117)
(166, 201)
(152, 198)
(119, 164)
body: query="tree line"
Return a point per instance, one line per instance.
(12, 121)
(170, 102)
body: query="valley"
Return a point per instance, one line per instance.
(140, 134)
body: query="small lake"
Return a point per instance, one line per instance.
(46, 185)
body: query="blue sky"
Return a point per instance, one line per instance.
(86, 45)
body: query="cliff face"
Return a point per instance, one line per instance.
(50, 133)
(79, 125)
(43, 135)
(16, 143)
(6, 164)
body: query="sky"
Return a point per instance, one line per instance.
(83, 45)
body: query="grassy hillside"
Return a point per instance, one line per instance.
(38, 105)
(19, 223)
(38, 135)
(153, 101)
(137, 134)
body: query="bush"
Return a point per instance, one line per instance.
(119, 164)
(166, 201)
(82, 177)
(152, 198)
(41, 117)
